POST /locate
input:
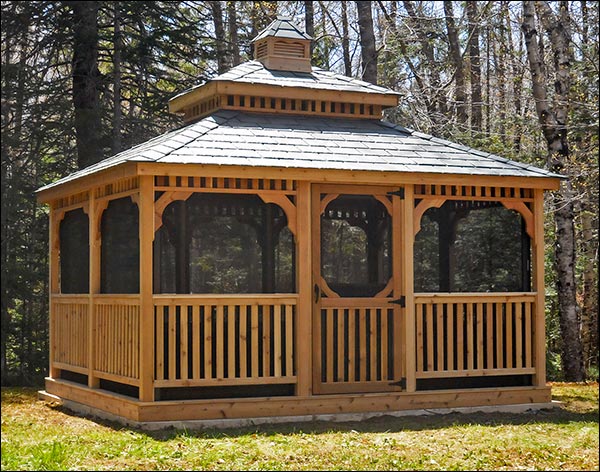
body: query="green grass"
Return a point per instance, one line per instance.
(37, 436)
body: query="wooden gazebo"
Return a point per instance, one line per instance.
(287, 252)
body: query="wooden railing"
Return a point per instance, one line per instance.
(70, 327)
(117, 343)
(476, 334)
(224, 340)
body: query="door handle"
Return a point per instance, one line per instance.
(317, 293)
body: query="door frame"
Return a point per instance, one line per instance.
(392, 198)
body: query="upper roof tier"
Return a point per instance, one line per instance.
(253, 87)
(281, 79)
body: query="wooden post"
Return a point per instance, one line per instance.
(146, 324)
(304, 309)
(539, 325)
(408, 285)
(53, 227)
(94, 284)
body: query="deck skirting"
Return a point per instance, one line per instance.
(151, 415)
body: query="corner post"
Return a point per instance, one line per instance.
(304, 309)
(53, 227)
(94, 284)
(408, 239)
(146, 314)
(539, 326)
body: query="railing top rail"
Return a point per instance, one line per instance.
(226, 299)
(479, 296)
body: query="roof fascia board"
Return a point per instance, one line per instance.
(217, 87)
(88, 181)
(345, 176)
(184, 100)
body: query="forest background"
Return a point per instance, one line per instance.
(83, 80)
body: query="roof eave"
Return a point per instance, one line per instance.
(69, 185)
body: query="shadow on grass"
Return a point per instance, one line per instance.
(578, 408)
(379, 424)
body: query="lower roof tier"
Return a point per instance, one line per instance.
(236, 138)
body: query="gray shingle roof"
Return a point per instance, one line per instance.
(312, 142)
(253, 72)
(282, 27)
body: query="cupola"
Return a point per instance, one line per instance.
(283, 46)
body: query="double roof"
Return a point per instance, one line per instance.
(305, 141)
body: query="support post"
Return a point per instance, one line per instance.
(94, 283)
(408, 239)
(304, 309)
(146, 318)
(539, 327)
(53, 227)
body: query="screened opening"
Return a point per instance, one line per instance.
(472, 246)
(224, 243)
(74, 252)
(120, 251)
(356, 255)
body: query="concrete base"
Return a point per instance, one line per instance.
(246, 422)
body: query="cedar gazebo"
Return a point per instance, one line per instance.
(287, 252)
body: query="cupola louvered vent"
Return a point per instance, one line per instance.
(261, 50)
(289, 49)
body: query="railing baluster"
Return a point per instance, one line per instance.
(429, 331)
(329, 345)
(439, 307)
(183, 342)
(460, 360)
(528, 339)
(351, 345)
(373, 343)
(480, 340)
(419, 313)
(339, 377)
(509, 335)
(518, 335)
(172, 348)
(499, 337)
(196, 342)
(220, 351)
(243, 341)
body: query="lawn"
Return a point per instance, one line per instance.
(36, 436)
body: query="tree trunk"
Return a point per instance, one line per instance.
(589, 318)
(117, 112)
(220, 45)
(437, 97)
(367, 42)
(475, 67)
(233, 34)
(553, 120)
(86, 78)
(457, 62)
(346, 41)
(309, 21)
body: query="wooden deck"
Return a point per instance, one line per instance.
(184, 410)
